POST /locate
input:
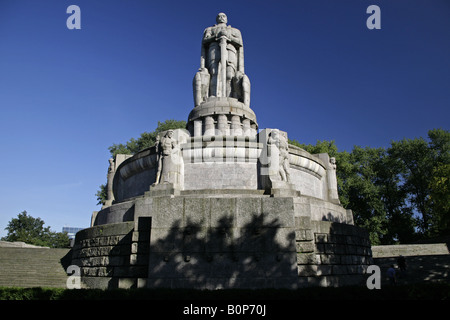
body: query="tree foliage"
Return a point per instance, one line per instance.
(31, 230)
(399, 194)
(146, 140)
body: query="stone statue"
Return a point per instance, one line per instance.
(167, 150)
(241, 88)
(332, 181)
(109, 183)
(201, 86)
(280, 142)
(221, 72)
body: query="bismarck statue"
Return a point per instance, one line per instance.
(221, 72)
(221, 87)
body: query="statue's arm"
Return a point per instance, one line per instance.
(236, 37)
(208, 36)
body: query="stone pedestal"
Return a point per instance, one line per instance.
(163, 189)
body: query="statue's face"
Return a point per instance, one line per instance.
(221, 18)
(170, 134)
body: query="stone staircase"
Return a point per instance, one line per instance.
(32, 267)
(425, 262)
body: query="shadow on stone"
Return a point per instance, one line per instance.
(257, 254)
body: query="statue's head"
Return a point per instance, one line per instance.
(169, 133)
(275, 134)
(221, 18)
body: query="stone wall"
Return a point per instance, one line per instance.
(221, 176)
(224, 160)
(331, 254)
(224, 241)
(235, 242)
(113, 255)
(410, 250)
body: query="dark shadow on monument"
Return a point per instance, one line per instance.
(224, 256)
(250, 250)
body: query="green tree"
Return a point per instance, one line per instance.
(400, 223)
(31, 230)
(439, 184)
(361, 193)
(101, 194)
(425, 176)
(146, 140)
(414, 157)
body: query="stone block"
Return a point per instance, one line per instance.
(330, 259)
(321, 237)
(140, 247)
(305, 247)
(303, 222)
(220, 239)
(248, 211)
(280, 210)
(138, 259)
(307, 270)
(339, 269)
(196, 211)
(306, 258)
(127, 283)
(166, 240)
(104, 271)
(223, 212)
(167, 212)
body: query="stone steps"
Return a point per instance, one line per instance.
(32, 267)
(420, 268)
(425, 262)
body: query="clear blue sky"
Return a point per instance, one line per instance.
(316, 71)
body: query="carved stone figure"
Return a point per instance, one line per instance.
(109, 183)
(332, 181)
(221, 72)
(280, 142)
(201, 86)
(167, 150)
(241, 88)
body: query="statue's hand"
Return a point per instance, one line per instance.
(219, 39)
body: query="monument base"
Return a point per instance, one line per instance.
(220, 242)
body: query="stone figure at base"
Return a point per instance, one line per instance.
(109, 184)
(280, 142)
(241, 88)
(201, 86)
(167, 152)
(332, 181)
